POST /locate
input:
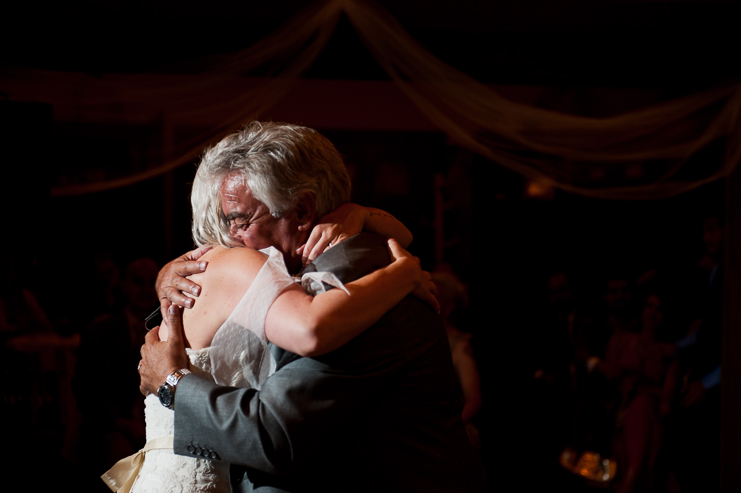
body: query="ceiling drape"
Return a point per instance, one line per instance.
(649, 153)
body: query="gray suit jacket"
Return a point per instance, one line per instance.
(381, 413)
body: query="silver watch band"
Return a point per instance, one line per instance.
(174, 377)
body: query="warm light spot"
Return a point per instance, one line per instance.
(539, 190)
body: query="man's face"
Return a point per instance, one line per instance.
(251, 223)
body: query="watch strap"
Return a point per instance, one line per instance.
(174, 377)
(166, 392)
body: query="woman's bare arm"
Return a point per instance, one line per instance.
(297, 322)
(313, 326)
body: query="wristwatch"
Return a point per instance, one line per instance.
(166, 392)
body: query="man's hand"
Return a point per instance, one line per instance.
(425, 289)
(340, 224)
(160, 358)
(171, 281)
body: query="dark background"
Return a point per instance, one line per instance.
(504, 243)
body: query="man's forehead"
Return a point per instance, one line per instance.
(237, 199)
(234, 184)
(234, 190)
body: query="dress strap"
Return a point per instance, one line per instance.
(121, 476)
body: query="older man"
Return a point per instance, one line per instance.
(382, 413)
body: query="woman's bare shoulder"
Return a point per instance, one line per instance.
(229, 274)
(230, 266)
(219, 255)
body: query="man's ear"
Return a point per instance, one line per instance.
(306, 211)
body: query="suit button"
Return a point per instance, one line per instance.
(198, 451)
(191, 449)
(212, 455)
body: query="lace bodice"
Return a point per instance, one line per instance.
(160, 420)
(165, 472)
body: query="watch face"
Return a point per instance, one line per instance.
(165, 394)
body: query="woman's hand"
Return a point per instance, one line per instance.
(425, 289)
(348, 220)
(340, 224)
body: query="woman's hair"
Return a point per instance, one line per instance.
(279, 162)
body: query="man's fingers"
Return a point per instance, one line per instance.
(189, 267)
(197, 253)
(164, 305)
(178, 281)
(175, 325)
(171, 282)
(151, 337)
(174, 295)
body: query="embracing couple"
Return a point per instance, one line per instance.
(341, 381)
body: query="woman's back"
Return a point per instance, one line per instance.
(229, 275)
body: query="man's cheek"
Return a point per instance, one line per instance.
(251, 241)
(239, 237)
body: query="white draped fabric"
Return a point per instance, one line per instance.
(199, 102)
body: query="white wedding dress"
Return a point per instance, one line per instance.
(238, 357)
(162, 471)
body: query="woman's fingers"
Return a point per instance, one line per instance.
(342, 223)
(425, 289)
(397, 252)
(426, 292)
(322, 237)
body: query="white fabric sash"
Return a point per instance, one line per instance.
(121, 476)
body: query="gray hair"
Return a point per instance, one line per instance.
(279, 162)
